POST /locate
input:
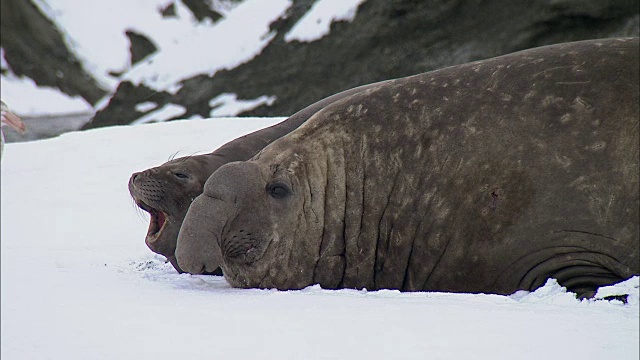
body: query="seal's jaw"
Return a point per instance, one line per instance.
(157, 222)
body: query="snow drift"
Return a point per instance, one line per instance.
(78, 282)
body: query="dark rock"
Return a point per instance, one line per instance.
(140, 46)
(33, 47)
(127, 93)
(202, 10)
(168, 11)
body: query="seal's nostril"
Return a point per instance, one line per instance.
(134, 176)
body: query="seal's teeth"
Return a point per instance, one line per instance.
(142, 206)
(161, 219)
(156, 223)
(152, 226)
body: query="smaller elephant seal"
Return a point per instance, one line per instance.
(487, 177)
(166, 191)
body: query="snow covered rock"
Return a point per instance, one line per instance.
(190, 52)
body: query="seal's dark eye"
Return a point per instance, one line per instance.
(278, 190)
(181, 175)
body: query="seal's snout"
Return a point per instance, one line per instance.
(216, 231)
(132, 184)
(198, 249)
(206, 261)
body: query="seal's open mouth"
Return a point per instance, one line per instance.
(158, 220)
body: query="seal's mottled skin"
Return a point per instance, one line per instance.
(486, 177)
(166, 191)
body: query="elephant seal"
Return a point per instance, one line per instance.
(166, 191)
(487, 177)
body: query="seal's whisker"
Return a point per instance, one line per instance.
(185, 158)
(138, 211)
(173, 156)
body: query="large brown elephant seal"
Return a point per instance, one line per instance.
(166, 191)
(486, 177)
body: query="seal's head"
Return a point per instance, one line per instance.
(245, 222)
(166, 192)
(224, 234)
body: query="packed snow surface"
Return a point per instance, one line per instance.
(79, 283)
(226, 44)
(95, 31)
(316, 23)
(229, 104)
(165, 113)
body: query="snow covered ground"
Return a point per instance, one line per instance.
(77, 281)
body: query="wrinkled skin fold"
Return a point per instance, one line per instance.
(486, 177)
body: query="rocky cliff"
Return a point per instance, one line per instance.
(386, 39)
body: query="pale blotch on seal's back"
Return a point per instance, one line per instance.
(484, 177)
